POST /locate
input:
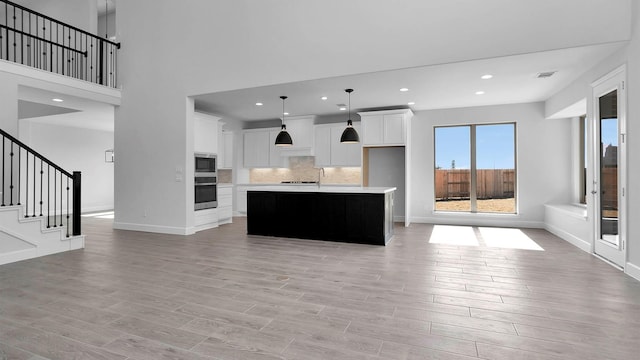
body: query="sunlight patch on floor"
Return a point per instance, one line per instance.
(453, 235)
(507, 238)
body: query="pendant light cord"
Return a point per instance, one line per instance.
(349, 105)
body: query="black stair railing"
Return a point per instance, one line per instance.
(33, 39)
(55, 195)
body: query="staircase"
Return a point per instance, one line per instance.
(39, 204)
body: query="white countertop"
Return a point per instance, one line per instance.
(313, 188)
(225, 185)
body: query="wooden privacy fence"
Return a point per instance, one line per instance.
(491, 183)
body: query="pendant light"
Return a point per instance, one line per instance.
(283, 138)
(349, 135)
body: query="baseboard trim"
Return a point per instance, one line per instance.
(493, 221)
(19, 255)
(173, 230)
(570, 238)
(632, 270)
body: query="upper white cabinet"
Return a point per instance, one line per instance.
(205, 133)
(323, 145)
(330, 152)
(384, 128)
(225, 148)
(260, 150)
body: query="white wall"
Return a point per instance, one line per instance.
(225, 45)
(386, 169)
(543, 163)
(82, 14)
(581, 88)
(76, 149)
(633, 145)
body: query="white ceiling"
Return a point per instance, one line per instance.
(430, 87)
(36, 105)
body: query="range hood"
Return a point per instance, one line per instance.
(301, 130)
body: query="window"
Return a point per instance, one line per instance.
(475, 168)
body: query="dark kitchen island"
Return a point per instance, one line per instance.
(346, 214)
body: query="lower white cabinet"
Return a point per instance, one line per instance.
(241, 200)
(205, 219)
(223, 214)
(225, 204)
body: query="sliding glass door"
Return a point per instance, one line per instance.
(475, 168)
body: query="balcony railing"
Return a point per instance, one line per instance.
(33, 39)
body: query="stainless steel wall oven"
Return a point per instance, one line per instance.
(205, 181)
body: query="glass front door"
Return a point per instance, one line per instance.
(608, 131)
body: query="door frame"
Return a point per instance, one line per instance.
(615, 80)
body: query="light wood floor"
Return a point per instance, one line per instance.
(223, 295)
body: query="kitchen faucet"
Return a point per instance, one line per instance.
(320, 170)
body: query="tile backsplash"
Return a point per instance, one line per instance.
(225, 176)
(302, 168)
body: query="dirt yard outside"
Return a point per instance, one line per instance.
(507, 206)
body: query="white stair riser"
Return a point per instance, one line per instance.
(39, 240)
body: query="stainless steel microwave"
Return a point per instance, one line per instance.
(206, 163)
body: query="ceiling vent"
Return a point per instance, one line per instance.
(546, 74)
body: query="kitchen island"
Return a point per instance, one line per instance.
(346, 214)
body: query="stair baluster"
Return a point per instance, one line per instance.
(48, 196)
(41, 185)
(22, 177)
(2, 172)
(10, 176)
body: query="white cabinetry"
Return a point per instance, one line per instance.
(330, 152)
(322, 136)
(259, 149)
(225, 149)
(225, 204)
(205, 133)
(385, 128)
(344, 154)
(205, 219)
(241, 200)
(211, 218)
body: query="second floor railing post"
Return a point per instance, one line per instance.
(77, 188)
(101, 62)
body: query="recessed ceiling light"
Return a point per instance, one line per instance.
(286, 113)
(411, 103)
(324, 98)
(343, 108)
(479, 92)
(57, 100)
(404, 89)
(486, 77)
(259, 104)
